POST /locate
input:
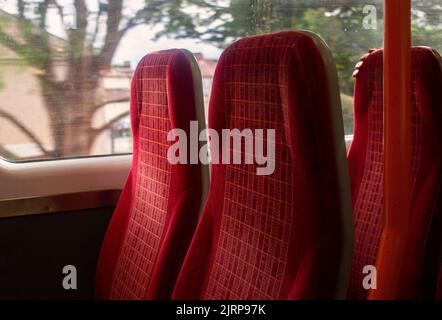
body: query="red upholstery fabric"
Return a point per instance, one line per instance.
(157, 213)
(276, 236)
(366, 172)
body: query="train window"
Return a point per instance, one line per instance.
(427, 23)
(65, 66)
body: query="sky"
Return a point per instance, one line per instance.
(136, 43)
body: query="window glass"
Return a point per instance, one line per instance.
(65, 66)
(426, 19)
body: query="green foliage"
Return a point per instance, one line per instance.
(344, 33)
(338, 22)
(427, 28)
(347, 112)
(219, 22)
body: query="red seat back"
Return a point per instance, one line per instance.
(366, 158)
(278, 236)
(157, 213)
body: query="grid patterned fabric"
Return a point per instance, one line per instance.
(149, 209)
(273, 236)
(368, 207)
(257, 217)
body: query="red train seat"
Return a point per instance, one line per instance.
(157, 213)
(366, 160)
(286, 235)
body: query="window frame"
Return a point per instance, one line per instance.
(43, 178)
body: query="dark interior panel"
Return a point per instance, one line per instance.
(34, 249)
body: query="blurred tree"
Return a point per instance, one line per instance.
(91, 41)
